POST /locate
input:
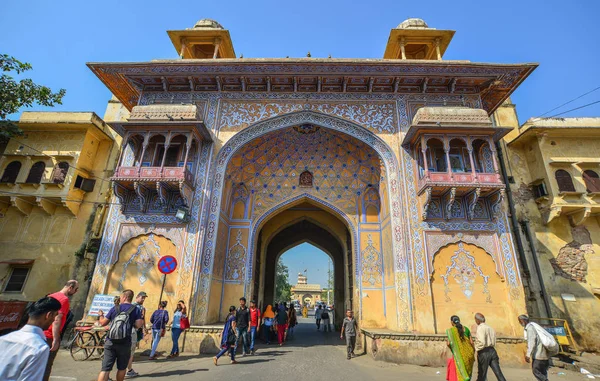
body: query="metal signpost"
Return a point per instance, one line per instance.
(166, 265)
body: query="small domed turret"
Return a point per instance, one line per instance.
(413, 23)
(208, 23)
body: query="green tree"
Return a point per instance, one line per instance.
(23, 93)
(283, 290)
(329, 287)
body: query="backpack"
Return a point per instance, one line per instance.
(547, 340)
(325, 315)
(119, 327)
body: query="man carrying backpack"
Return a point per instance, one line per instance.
(117, 347)
(325, 319)
(540, 346)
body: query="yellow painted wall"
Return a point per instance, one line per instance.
(56, 242)
(527, 160)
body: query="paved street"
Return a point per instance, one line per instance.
(304, 357)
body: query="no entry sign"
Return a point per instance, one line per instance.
(167, 264)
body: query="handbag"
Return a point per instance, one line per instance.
(184, 322)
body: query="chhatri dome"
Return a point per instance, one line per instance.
(208, 23)
(413, 23)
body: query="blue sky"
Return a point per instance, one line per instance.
(306, 256)
(59, 37)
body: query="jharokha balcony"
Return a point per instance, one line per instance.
(159, 156)
(456, 157)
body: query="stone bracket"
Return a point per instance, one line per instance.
(4, 205)
(46, 205)
(22, 205)
(161, 189)
(142, 193)
(186, 193)
(71, 206)
(472, 199)
(579, 217)
(450, 197)
(121, 194)
(497, 203)
(426, 196)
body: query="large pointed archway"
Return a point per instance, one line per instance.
(305, 222)
(323, 158)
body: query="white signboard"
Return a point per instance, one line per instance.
(101, 302)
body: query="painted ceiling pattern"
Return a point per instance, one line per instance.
(270, 167)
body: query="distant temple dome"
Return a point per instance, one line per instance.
(413, 23)
(208, 23)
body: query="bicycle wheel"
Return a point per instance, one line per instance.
(83, 346)
(100, 346)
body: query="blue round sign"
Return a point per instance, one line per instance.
(167, 264)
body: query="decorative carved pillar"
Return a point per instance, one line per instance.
(217, 44)
(471, 160)
(121, 154)
(183, 47)
(494, 154)
(167, 144)
(437, 49)
(424, 152)
(144, 146)
(402, 43)
(447, 152)
(188, 146)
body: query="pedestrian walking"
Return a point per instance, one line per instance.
(177, 326)
(138, 333)
(349, 328)
(53, 332)
(318, 314)
(159, 320)
(228, 337)
(242, 324)
(485, 343)
(536, 353)
(281, 321)
(269, 322)
(255, 323)
(117, 346)
(325, 320)
(305, 312)
(460, 366)
(292, 321)
(24, 353)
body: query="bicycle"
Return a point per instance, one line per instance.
(87, 340)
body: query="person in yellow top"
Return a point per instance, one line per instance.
(305, 311)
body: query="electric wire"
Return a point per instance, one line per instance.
(573, 109)
(566, 103)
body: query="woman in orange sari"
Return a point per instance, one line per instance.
(460, 342)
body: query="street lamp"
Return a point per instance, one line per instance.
(182, 214)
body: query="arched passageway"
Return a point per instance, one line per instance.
(298, 232)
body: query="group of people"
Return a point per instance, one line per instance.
(243, 325)
(464, 345)
(29, 353)
(322, 317)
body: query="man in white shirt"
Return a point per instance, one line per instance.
(24, 353)
(318, 313)
(485, 345)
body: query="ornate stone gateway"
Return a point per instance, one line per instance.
(387, 165)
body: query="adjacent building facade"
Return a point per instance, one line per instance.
(389, 165)
(306, 293)
(553, 167)
(54, 196)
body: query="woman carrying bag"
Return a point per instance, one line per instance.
(228, 338)
(178, 325)
(159, 320)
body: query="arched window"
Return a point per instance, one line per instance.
(36, 172)
(564, 181)
(11, 172)
(436, 156)
(305, 179)
(459, 156)
(592, 182)
(59, 174)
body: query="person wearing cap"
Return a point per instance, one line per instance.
(137, 334)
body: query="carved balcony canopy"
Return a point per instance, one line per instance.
(159, 155)
(456, 156)
(165, 118)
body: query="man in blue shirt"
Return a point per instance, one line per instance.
(119, 350)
